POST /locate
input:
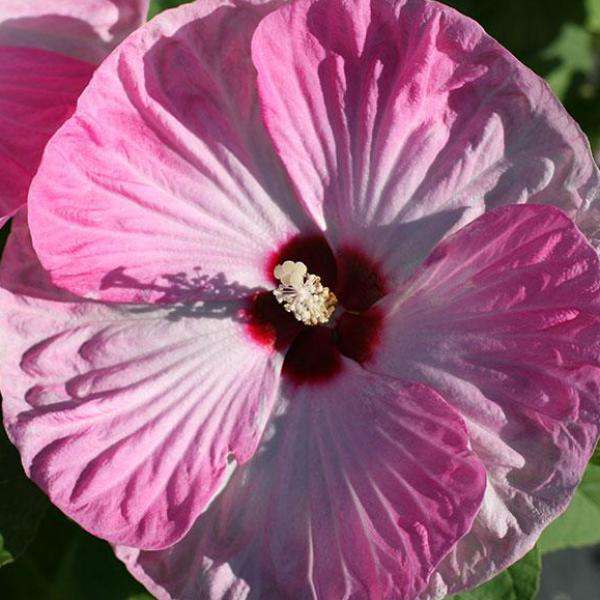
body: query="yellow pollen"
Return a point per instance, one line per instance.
(303, 294)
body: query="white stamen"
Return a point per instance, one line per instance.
(303, 294)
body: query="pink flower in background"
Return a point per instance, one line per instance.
(415, 444)
(48, 52)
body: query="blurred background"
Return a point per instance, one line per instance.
(559, 40)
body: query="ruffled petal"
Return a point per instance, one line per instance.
(170, 172)
(38, 92)
(86, 30)
(358, 490)
(130, 419)
(399, 122)
(503, 319)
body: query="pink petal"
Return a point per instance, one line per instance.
(171, 174)
(40, 84)
(356, 492)
(503, 319)
(38, 92)
(87, 29)
(20, 269)
(398, 122)
(130, 419)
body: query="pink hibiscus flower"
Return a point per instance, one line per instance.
(48, 52)
(355, 158)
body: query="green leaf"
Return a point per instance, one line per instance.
(157, 6)
(595, 460)
(524, 28)
(22, 505)
(5, 556)
(573, 53)
(521, 581)
(593, 15)
(90, 571)
(580, 525)
(65, 562)
(4, 231)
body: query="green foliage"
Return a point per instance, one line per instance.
(525, 27)
(4, 231)
(595, 460)
(157, 6)
(519, 582)
(572, 53)
(580, 524)
(65, 562)
(593, 15)
(22, 505)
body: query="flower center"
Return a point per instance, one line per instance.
(302, 293)
(348, 283)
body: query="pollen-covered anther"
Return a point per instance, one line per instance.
(303, 294)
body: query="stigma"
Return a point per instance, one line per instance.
(303, 294)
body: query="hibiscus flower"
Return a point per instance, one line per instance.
(286, 337)
(48, 52)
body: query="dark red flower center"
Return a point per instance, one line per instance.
(313, 353)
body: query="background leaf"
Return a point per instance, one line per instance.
(595, 460)
(593, 15)
(519, 582)
(157, 6)
(580, 525)
(572, 52)
(66, 563)
(22, 505)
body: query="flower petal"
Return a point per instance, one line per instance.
(131, 419)
(503, 319)
(171, 174)
(20, 269)
(38, 92)
(398, 122)
(85, 30)
(357, 490)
